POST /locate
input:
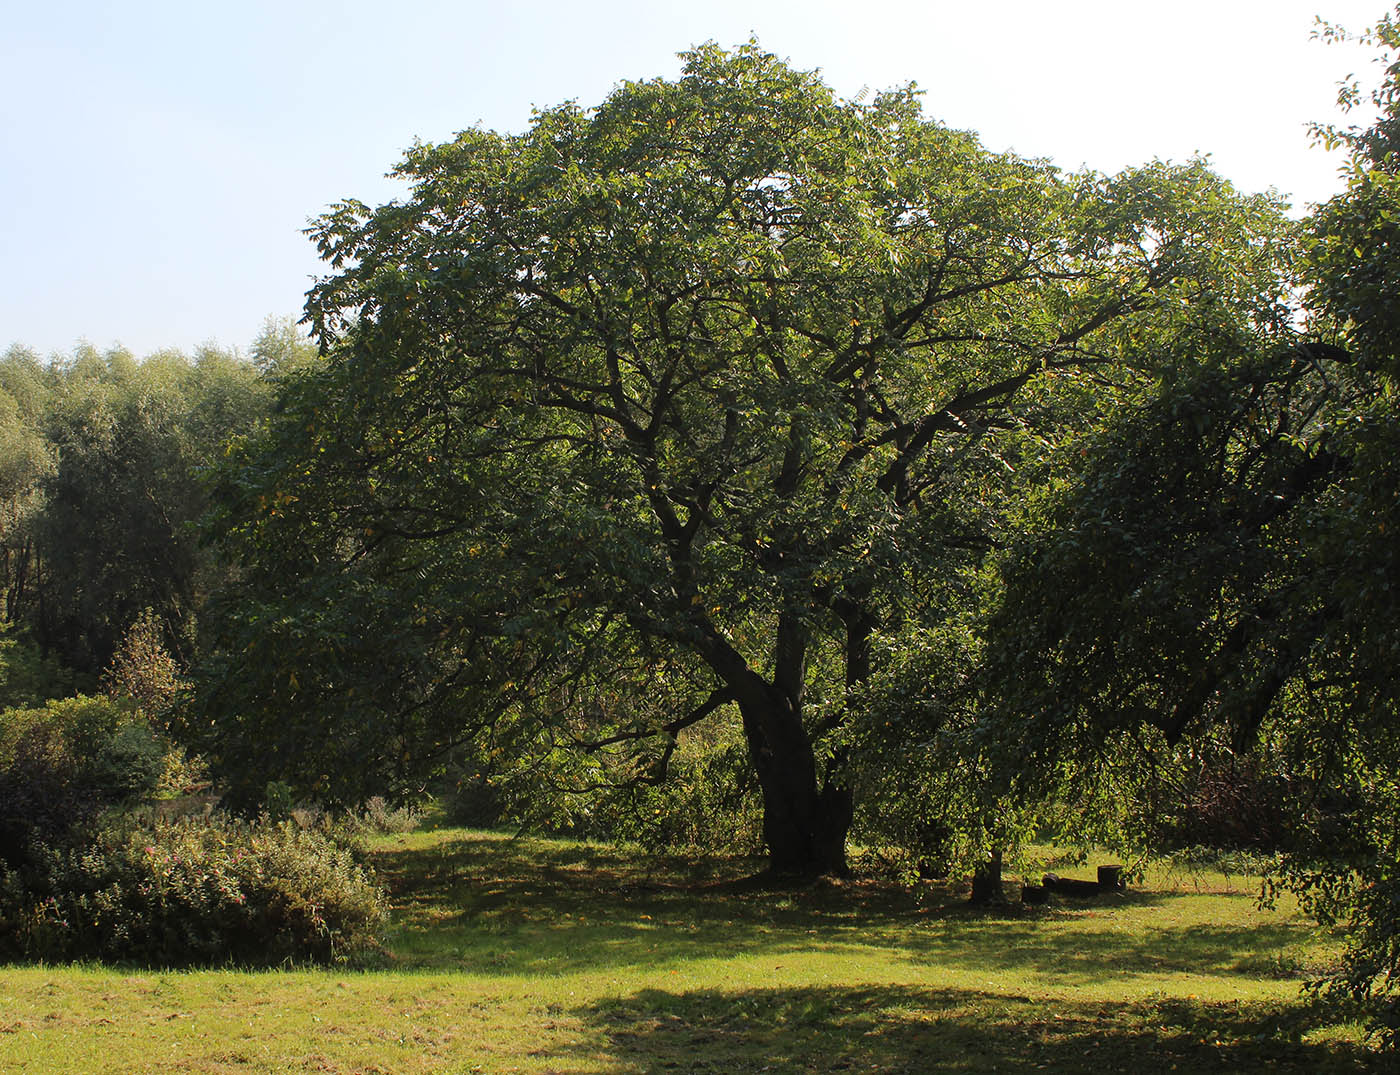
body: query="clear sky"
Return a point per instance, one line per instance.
(159, 158)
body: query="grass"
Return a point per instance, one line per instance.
(548, 956)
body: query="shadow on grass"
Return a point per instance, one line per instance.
(489, 904)
(902, 1029)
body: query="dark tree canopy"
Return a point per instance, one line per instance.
(1220, 581)
(670, 407)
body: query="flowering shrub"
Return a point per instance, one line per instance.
(194, 891)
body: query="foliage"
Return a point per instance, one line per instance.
(1218, 583)
(197, 891)
(143, 670)
(29, 677)
(1353, 272)
(100, 458)
(281, 349)
(663, 410)
(116, 531)
(925, 806)
(64, 763)
(706, 804)
(26, 460)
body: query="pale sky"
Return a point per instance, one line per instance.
(159, 158)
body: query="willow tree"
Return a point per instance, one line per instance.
(665, 409)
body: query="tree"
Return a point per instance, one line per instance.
(1219, 582)
(281, 348)
(673, 405)
(25, 460)
(115, 530)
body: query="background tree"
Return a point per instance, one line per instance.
(117, 526)
(26, 459)
(281, 348)
(670, 406)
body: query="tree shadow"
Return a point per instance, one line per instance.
(1099, 953)
(905, 1029)
(492, 905)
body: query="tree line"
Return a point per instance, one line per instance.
(103, 489)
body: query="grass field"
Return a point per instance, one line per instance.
(548, 956)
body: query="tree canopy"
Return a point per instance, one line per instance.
(1218, 584)
(669, 407)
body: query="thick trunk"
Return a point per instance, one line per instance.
(804, 823)
(804, 826)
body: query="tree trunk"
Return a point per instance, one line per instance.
(804, 827)
(804, 824)
(986, 881)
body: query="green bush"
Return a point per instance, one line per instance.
(62, 764)
(112, 748)
(40, 801)
(192, 892)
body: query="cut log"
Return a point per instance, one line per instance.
(1070, 886)
(1034, 894)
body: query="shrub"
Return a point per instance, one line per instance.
(40, 801)
(192, 892)
(143, 669)
(62, 764)
(377, 817)
(109, 746)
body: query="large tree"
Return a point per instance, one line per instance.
(672, 405)
(1219, 583)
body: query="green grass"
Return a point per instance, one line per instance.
(549, 956)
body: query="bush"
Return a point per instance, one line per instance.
(40, 799)
(62, 764)
(110, 747)
(192, 892)
(352, 828)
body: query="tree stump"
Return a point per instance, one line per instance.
(1111, 878)
(986, 881)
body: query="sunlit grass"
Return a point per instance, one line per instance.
(549, 956)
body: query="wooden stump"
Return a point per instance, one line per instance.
(986, 881)
(1111, 878)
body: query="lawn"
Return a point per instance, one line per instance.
(549, 956)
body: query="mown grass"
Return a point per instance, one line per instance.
(548, 956)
